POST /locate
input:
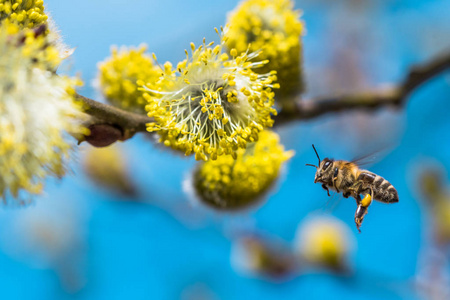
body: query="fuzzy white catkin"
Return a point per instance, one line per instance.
(36, 114)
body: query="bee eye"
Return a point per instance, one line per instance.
(326, 165)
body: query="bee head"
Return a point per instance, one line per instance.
(323, 170)
(322, 167)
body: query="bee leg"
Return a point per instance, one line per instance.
(334, 184)
(362, 209)
(353, 191)
(324, 186)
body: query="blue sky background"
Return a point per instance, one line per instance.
(162, 247)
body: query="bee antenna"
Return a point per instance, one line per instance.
(312, 165)
(316, 153)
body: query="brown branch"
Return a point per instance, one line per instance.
(396, 96)
(109, 124)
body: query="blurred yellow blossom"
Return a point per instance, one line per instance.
(325, 242)
(106, 166)
(254, 255)
(275, 28)
(212, 104)
(30, 14)
(36, 112)
(119, 74)
(441, 221)
(436, 193)
(228, 183)
(433, 186)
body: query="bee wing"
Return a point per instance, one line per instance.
(366, 160)
(370, 158)
(332, 202)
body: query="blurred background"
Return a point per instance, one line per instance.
(147, 239)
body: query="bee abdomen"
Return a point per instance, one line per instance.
(383, 190)
(367, 177)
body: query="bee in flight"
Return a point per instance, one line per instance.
(346, 177)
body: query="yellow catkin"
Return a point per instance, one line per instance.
(435, 192)
(24, 13)
(30, 14)
(119, 74)
(325, 242)
(211, 104)
(107, 167)
(36, 112)
(229, 183)
(271, 259)
(274, 28)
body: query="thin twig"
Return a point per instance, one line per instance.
(108, 120)
(103, 114)
(109, 124)
(396, 96)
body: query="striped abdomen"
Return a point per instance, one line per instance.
(382, 190)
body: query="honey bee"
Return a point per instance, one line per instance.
(347, 178)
